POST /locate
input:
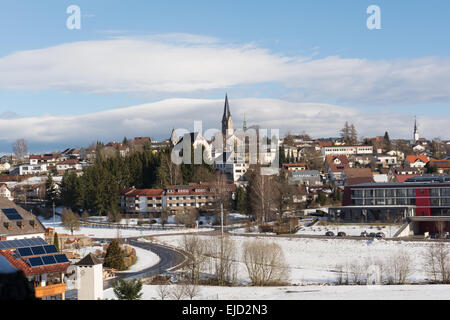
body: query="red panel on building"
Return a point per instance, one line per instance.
(423, 200)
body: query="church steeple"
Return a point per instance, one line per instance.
(227, 121)
(416, 132)
(244, 126)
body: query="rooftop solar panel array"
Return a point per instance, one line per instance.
(13, 244)
(37, 250)
(47, 260)
(12, 214)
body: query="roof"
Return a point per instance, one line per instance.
(443, 164)
(358, 180)
(20, 264)
(144, 192)
(89, 260)
(302, 164)
(403, 177)
(26, 217)
(70, 161)
(5, 266)
(414, 158)
(358, 172)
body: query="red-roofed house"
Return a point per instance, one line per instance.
(47, 278)
(416, 161)
(335, 166)
(442, 166)
(146, 201)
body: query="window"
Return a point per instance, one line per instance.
(357, 193)
(434, 202)
(379, 193)
(411, 193)
(390, 193)
(435, 192)
(368, 193)
(401, 193)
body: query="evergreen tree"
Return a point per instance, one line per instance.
(387, 140)
(56, 241)
(241, 200)
(128, 289)
(50, 190)
(322, 198)
(345, 133)
(353, 139)
(114, 257)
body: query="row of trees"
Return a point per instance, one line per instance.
(219, 257)
(397, 268)
(97, 189)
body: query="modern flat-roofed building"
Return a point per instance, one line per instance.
(422, 196)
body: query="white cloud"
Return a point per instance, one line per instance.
(178, 63)
(157, 120)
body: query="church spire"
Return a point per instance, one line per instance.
(244, 126)
(227, 122)
(416, 132)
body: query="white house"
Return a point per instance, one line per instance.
(32, 169)
(69, 165)
(5, 193)
(89, 272)
(346, 150)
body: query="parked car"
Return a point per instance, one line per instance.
(364, 234)
(329, 234)
(372, 235)
(380, 235)
(341, 234)
(433, 235)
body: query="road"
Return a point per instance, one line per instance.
(170, 260)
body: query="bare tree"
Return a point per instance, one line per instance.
(178, 292)
(163, 291)
(399, 267)
(70, 220)
(191, 290)
(224, 254)
(197, 249)
(265, 262)
(260, 194)
(20, 148)
(437, 263)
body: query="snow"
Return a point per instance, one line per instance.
(145, 259)
(314, 261)
(403, 292)
(349, 229)
(109, 233)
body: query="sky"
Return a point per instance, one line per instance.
(141, 68)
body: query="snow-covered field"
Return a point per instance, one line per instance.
(109, 233)
(315, 261)
(349, 229)
(404, 292)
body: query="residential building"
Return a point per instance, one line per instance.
(42, 158)
(416, 161)
(143, 201)
(5, 192)
(335, 165)
(305, 177)
(70, 164)
(352, 176)
(386, 161)
(442, 166)
(32, 169)
(346, 150)
(17, 223)
(41, 263)
(294, 166)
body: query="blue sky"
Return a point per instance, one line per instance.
(314, 30)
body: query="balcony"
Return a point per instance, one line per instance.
(50, 290)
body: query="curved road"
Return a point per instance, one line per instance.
(169, 259)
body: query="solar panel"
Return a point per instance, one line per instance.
(48, 260)
(22, 243)
(61, 258)
(11, 244)
(12, 214)
(50, 249)
(38, 250)
(25, 252)
(35, 262)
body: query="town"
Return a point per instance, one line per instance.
(84, 220)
